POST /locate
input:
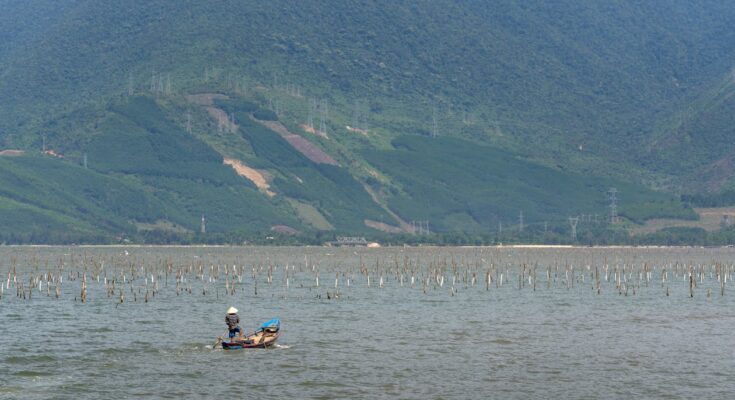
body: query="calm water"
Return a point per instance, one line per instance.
(450, 339)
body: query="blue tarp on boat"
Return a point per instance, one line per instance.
(274, 323)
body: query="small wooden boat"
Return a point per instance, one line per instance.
(265, 336)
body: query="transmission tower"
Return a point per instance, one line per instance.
(153, 82)
(168, 85)
(323, 110)
(613, 197)
(356, 115)
(418, 227)
(520, 221)
(244, 85)
(310, 117)
(159, 88)
(131, 89)
(573, 221)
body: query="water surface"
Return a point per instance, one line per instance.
(456, 338)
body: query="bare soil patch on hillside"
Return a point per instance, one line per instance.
(12, 153)
(206, 100)
(305, 147)
(310, 151)
(357, 130)
(284, 229)
(252, 174)
(315, 131)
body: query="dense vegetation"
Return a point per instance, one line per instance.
(141, 169)
(460, 186)
(637, 85)
(41, 197)
(539, 108)
(721, 199)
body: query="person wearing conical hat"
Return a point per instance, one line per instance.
(233, 323)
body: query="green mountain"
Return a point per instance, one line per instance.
(353, 117)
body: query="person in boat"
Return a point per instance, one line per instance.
(233, 323)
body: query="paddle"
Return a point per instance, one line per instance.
(219, 339)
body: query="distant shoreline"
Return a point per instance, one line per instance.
(509, 246)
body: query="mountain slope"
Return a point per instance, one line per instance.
(546, 78)
(333, 106)
(49, 199)
(460, 186)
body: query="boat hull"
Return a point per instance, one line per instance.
(256, 341)
(264, 337)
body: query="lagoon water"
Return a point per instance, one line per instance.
(453, 337)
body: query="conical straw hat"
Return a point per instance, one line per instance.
(232, 310)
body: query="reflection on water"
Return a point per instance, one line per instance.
(433, 322)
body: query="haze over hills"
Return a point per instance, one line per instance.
(352, 117)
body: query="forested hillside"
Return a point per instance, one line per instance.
(351, 117)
